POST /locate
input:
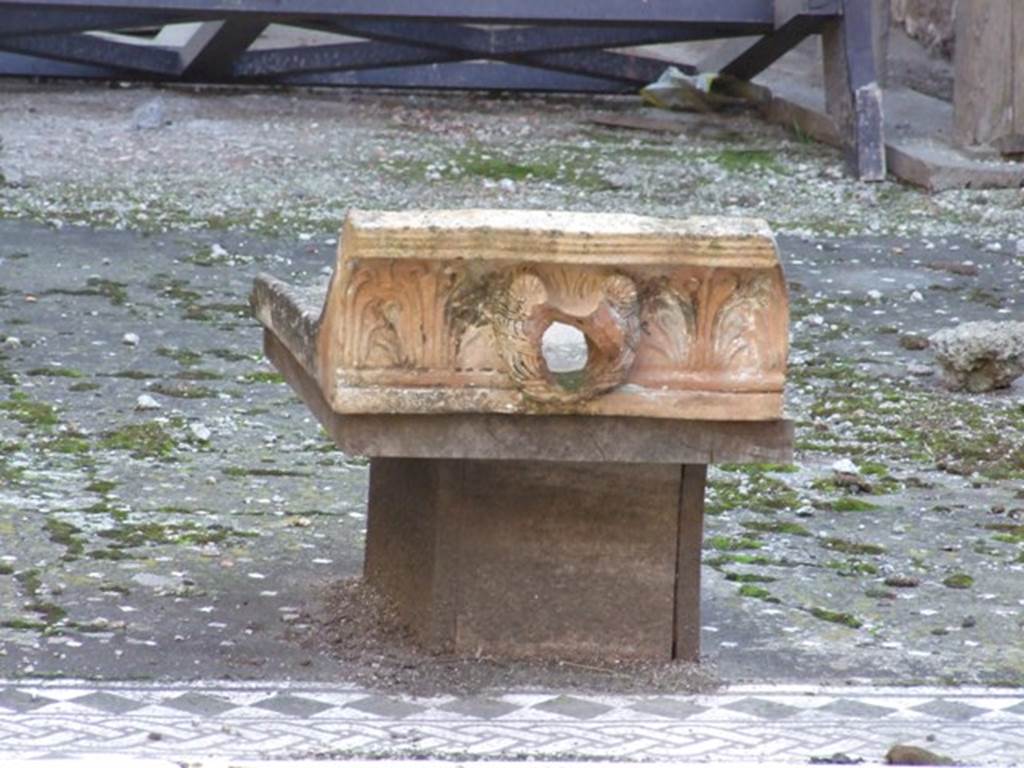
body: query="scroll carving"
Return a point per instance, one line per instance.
(603, 306)
(739, 326)
(701, 325)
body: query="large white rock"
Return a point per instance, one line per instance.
(980, 356)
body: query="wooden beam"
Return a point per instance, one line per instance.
(984, 90)
(55, 21)
(350, 57)
(463, 75)
(757, 15)
(476, 43)
(212, 48)
(787, 10)
(1018, 70)
(853, 96)
(93, 50)
(517, 40)
(746, 59)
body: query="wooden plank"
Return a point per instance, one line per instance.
(21, 65)
(924, 158)
(212, 48)
(881, 24)
(49, 21)
(304, 59)
(514, 41)
(787, 10)
(983, 92)
(1017, 65)
(93, 50)
(462, 75)
(756, 14)
(690, 532)
(501, 45)
(852, 94)
(540, 438)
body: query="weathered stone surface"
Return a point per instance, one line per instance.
(533, 559)
(453, 312)
(980, 356)
(932, 22)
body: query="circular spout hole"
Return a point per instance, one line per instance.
(565, 351)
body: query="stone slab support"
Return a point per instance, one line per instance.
(533, 558)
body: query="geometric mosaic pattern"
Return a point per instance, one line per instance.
(742, 724)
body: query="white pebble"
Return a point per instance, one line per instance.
(200, 432)
(874, 294)
(146, 403)
(507, 185)
(916, 296)
(131, 339)
(919, 369)
(12, 342)
(845, 466)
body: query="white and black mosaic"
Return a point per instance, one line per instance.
(743, 724)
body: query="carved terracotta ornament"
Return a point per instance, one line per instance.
(451, 311)
(603, 306)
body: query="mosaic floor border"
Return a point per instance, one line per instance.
(741, 724)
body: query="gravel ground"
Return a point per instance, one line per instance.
(202, 539)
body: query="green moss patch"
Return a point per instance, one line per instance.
(132, 374)
(131, 535)
(852, 547)
(922, 426)
(776, 526)
(232, 356)
(101, 486)
(22, 409)
(760, 593)
(57, 372)
(567, 165)
(147, 440)
(1008, 533)
(740, 558)
(70, 443)
(65, 534)
(852, 568)
(757, 492)
(263, 377)
(116, 293)
(959, 581)
(748, 160)
(182, 391)
(24, 625)
(750, 578)
(262, 472)
(850, 504)
(180, 356)
(732, 543)
(837, 617)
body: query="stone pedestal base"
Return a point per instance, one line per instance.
(557, 536)
(539, 558)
